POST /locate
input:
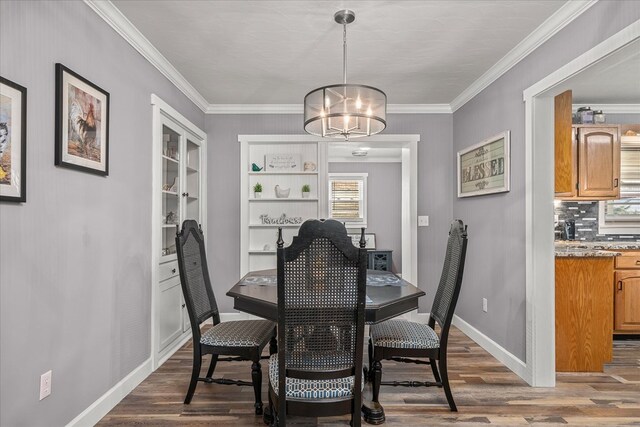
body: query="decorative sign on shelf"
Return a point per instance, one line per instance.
(282, 162)
(484, 168)
(282, 220)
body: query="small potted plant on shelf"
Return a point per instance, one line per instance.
(257, 190)
(306, 190)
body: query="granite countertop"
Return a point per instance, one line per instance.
(593, 249)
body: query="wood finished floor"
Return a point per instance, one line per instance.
(485, 391)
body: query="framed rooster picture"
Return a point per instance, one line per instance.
(82, 123)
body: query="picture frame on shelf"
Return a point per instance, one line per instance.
(370, 240)
(282, 162)
(484, 168)
(13, 142)
(82, 123)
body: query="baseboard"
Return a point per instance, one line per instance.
(493, 348)
(102, 406)
(186, 337)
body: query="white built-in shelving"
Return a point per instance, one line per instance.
(255, 235)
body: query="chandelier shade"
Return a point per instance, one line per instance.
(345, 110)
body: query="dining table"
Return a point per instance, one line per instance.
(388, 296)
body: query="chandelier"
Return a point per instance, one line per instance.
(345, 110)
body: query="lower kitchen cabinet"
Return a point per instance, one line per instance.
(584, 313)
(627, 293)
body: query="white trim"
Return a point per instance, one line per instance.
(624, 228)
(105, 403)
(353, 159)
(611, 108)
(556, 22)
(116, 19)
(539, 258)
(299, 109)
(495, 349)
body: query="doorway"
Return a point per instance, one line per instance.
(539, 190)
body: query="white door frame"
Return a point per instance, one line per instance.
(539, 193)
(409, 145)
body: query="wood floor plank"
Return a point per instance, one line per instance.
(486, 392)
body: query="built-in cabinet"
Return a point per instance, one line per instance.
(627, 293)
(282, 165)
(179, 191)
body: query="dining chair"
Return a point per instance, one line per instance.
(321, 280)
(402, 341)
(243, 339)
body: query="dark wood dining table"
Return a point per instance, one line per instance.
(388, 296)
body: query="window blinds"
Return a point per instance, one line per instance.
(345, 200)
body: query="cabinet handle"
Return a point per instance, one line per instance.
(184, 194)
(173, 270)
(615, 183)
(619, 285)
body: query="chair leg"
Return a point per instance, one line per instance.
(273, 345)
(445, 382)
(256, 378)
(356, 417)
(434, 368)
(212, 365)
(195, 373)
(377, 379)
(370, 372)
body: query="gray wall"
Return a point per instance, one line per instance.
(384, 203)
(495, 266)
(75, 259)
(434, 192)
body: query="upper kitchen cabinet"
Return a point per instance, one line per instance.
(587, 157)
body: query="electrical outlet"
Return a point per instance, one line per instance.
(484, 305)
(423, 221)
(45, 385)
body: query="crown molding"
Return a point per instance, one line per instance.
(298, 109)
(556, 22)
(112, 16)
(611, 108)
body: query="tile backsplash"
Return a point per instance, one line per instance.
(586, 216)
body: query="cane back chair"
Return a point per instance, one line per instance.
(401, 340)
(321, 301)
(244, 339)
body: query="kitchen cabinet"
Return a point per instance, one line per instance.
(587, 157)
(627, 293)
(584, 315)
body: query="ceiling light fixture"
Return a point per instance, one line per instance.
(345, 110)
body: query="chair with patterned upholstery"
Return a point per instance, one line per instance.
(244, 339)
(321, 301)
(401, 340)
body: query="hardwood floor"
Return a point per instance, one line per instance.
(486, 393)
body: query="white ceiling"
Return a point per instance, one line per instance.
(274, 52)
(613, 80)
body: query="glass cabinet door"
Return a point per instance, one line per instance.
(192, 181)
(171, 144)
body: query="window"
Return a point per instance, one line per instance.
(348, 198)
(623, 216)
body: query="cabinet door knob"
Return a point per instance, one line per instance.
(619, 285)
(173, 270)
(615, 183)
(184, 194)
(183, 305)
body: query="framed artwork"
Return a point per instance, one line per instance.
(13, 142)
(82, 123)
(370, 239)
(484, 168)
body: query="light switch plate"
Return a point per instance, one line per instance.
(45, 385)
(423, 220)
